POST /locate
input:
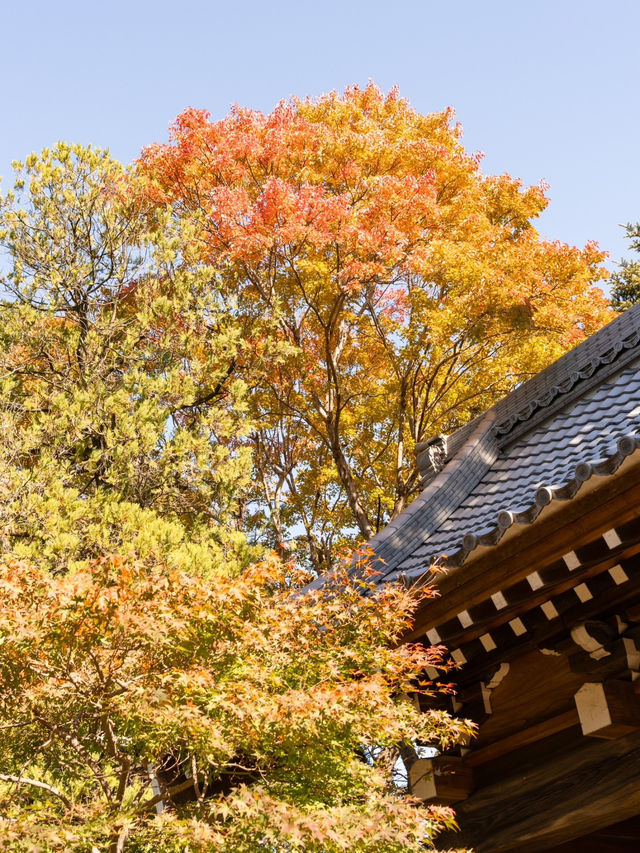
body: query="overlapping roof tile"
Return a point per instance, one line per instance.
(578, 419)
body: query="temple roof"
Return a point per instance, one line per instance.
(578, 419)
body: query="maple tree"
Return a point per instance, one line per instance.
(164, 684)
(143, 708)
(245, 336)
(406, 291)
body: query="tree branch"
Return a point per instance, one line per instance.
(35, 783)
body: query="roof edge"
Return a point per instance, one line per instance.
(440, 497)
(508, 521)
(564, 380)
(579, 382)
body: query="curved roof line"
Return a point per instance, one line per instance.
(471, 451)
(441, 497)
(583, 471)
(567, 385)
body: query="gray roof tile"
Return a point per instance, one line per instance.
(577, 419)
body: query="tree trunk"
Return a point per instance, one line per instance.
(346, 478)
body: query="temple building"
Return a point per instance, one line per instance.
(534, 509)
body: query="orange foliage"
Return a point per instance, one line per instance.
(408, 289)
(246, 707)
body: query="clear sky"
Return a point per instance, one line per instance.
(548, 90)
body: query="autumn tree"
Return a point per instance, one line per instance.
(406, 291)
(143, 708)
(625, 290)
(160, 688)
(122, 414)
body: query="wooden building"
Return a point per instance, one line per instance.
(536, 504)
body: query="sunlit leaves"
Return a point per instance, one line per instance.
(122, 411)
(625, 281)
(248, 702)
(411, 289)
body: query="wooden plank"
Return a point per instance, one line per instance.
(621, 836)
(542, 804)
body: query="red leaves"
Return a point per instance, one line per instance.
(402, 291)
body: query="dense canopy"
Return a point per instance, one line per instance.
(215, 367)
(406, 290)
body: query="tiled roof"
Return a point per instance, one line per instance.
(578, 418)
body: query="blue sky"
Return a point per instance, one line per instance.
(548, 90)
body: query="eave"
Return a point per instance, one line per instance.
(561, 528)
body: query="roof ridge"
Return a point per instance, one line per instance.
(605, 347)
(564, 380)
(566, 386)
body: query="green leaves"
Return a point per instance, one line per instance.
(121, 406)
(626, 281)
(166, 684)
(243, 702)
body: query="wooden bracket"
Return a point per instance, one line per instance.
(608, 710)
(444, 779)
(594, 637)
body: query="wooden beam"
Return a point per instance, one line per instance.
(533, 734)
(536, 599)
(539, 804)
(619, 837)
(536, 689)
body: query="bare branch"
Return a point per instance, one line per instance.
(35, 783)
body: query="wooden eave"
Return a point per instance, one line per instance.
(537, 506)
(563, 527)
(538, 781)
